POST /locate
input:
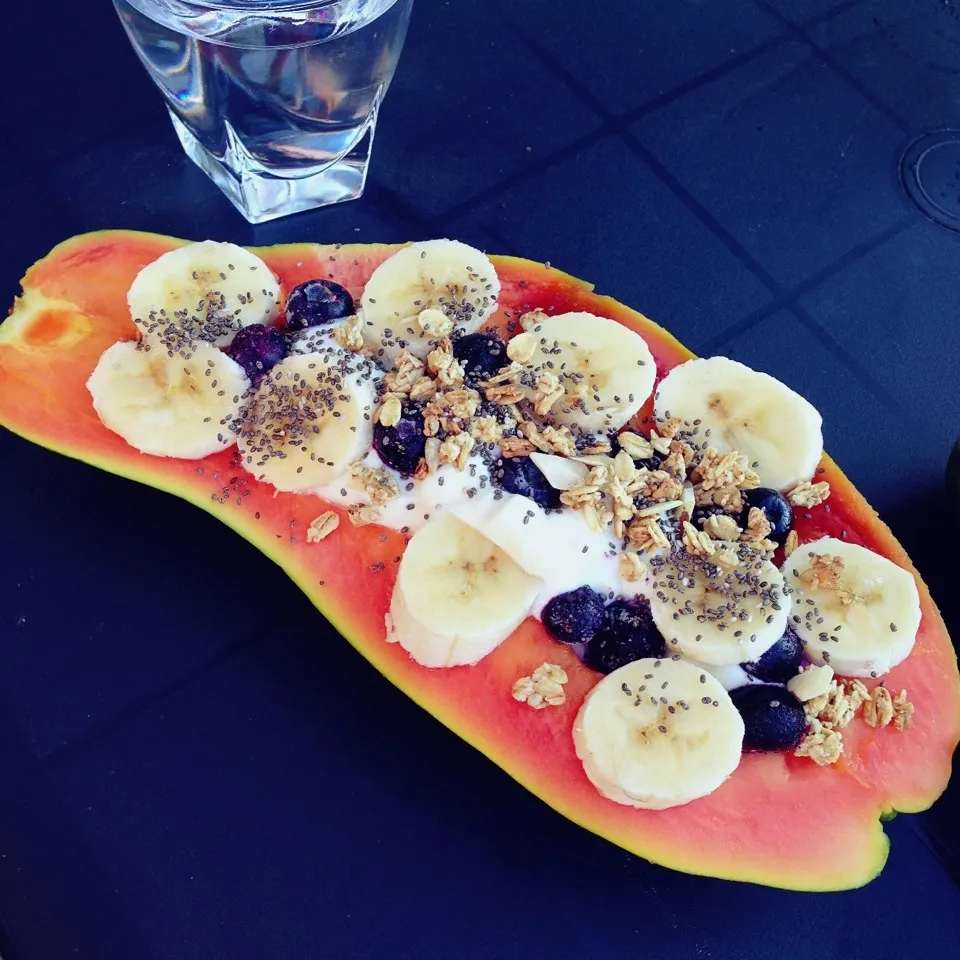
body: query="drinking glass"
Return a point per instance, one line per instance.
(275, 100)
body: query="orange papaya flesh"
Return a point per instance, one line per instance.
(779, 820)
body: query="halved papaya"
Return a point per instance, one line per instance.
(779, 820)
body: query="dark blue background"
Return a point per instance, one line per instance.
(192, 764)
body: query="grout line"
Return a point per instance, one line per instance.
(541, 165)
(672, 183)
(830, 14)
(701, 80)
(613, 122)
(702, 214)
(830, 61)
(62, 753)
(790, 296)
(709, 346)
(826, 339)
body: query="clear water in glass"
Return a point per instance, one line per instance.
(276, 100)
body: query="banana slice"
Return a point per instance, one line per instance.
(853, 608)
(208, 289)
(605, 370)
(753, 413)
(719, 617)
(179, 406)
(309, 419)
(458, 596)
(657, 734)
(439, 276)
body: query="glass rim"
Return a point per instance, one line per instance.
(260, 6)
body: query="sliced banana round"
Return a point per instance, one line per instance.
(657, 734)
(180, 406)
(405, 296)
(588, 371)
(753, 413)
(718, 616)
(208, 289)
(853, 609)
(310, 418)
(458, 596)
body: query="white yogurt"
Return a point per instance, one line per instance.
(558, 548)
(424, 498)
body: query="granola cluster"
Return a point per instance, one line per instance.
(831, 704)
(543, 688)
(645, 494)
(826, 572)
(321, 527)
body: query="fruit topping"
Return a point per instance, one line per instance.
(780, 663)
(732, 407)
(202, 291)
(718, 616)
(587, 372)
(308, 420)
(658, 733)
(257, 348)
(457, 595)
(852, 608)
(628, 633)
(522, 476)
(773, 718)
(424, 292)
(317, 303)
(402, 444)
(171, 406)
(574, 616)
(480, 354)
(775, 506)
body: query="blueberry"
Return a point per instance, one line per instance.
(401, 446)
(628, 633)
(575, 616)
(257, 348)
(776, 507)
(521, 475)
(780, 662)
(482, 354)
(318, 302)
(773, 718)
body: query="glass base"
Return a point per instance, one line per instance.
(930, 172)
(260, 196)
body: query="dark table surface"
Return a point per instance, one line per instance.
(182, 780)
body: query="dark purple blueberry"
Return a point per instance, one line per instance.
(776, 507)
(401, 446)
(257, 348)
(481, 354)
(575, 616)
(780, 662)
(318, 302)
(628, 633)
(773, 717)
(521, 475)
